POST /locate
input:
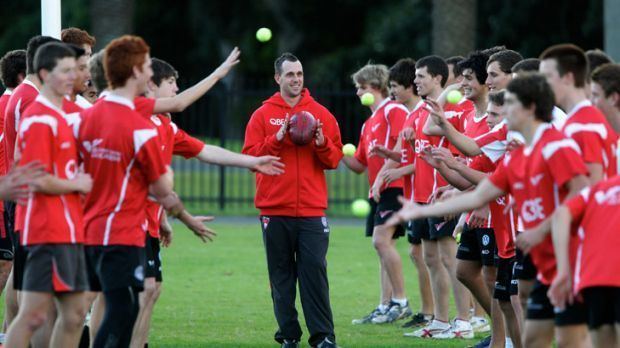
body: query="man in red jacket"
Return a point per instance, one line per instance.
(292, 205)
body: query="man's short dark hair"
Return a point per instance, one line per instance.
(497, 97)
(492, 50)
(454, 61)
(533, 89)
(403, 72)
(285, 57)
(31, 49)
(97, 73)
(162, 70)
(608, 77)
(79, 51)
(436, 66)
(11, 66)
(570, 59)
(477, 62)
(596, 58)
(49, 54)
(528, 64)
(506, 60)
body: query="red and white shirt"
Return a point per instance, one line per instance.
(596, 139)
(426, 179)
(121, 151)
(382, 128)
(174, 141)
(45, 136)
(23, 95)
(536, 176)
(4, 100)
(596, 210)
(407, 154)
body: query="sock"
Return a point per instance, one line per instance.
(401, 301)
(383, 308)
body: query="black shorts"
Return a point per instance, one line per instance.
(153, 258)
(115, 266)
(382, 211)
(19, 262)
(505, 284)
(524, 267)
(478, 244)
(7, 242)
(411, 237)
(540, 308)
(603, 303)
(56, 268)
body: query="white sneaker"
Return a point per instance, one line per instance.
(460, 329)
(434, 328)
(480, 324)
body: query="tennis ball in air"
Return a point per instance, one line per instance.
(360, 207)
(348, 150)
(263, 34)
(368, 99)
(454, 97)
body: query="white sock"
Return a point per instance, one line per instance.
(401, 301)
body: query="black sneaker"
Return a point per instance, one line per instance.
(327, 344)
(484, 343)
(418, 319)
(290, 344)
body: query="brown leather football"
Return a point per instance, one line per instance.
(302, 126)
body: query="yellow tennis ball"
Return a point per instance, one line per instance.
(454, 97)
(368, 99)
(348, 150)
(263, 34)
(360, 207)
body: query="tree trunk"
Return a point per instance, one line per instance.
(454, 27)
(111, 19)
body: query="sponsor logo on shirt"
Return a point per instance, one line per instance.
(420, 144)
(532, 210)
(374, 128)
(71, 169)
(536, 179)
(65, 145)
(100, 152)
(276, 121)
(519, 185)
(609, 197)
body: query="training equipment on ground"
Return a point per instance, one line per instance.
(368, 99)
(348, 150)
(360, 208)
(263, 34)
(454, 97)
(302, 127)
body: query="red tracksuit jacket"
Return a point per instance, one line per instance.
(301, 191)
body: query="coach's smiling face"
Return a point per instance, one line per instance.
(291, 80)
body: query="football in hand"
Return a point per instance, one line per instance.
(302, 127)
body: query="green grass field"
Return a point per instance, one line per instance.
(217, 295)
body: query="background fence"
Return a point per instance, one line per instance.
(220, 118)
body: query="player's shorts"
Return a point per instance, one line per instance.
(505, 284)
(540, 308)
(55, 268)
(382, 211)
(411, 237)
(432, 228)
(7, 248)
(478, 244)
(153, 258)
(115, 266)
(524, 267)
(603, 304)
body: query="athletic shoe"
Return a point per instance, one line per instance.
(367, 319)
(484, 343)
(419, 319)
(434, 328)
(459, 329)
(327, 344)
(508, 343)
(480, 324)
(396, 312)
(290, 344)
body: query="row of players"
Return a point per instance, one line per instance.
(81, 174)
(526, 138)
